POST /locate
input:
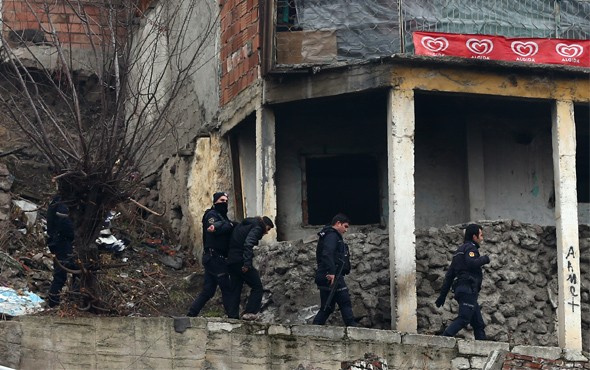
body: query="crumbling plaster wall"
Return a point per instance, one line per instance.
(187, 183)
(184, 160)
(518, 298)
(195, 108)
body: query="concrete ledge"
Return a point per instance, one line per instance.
(429, 340)
(481, 347)
(318, 331)
(279, 330)
(214, 326)
(199, 323)
(385, 336)
(550, 353)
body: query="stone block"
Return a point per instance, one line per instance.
(386, 336)
(156, 346)
(188, 363)
(319, 331)
(460, 363)
(10, 332)
(190, 345)
(11, 354)
(74, 336)
(495, 360)
(148, 361)
(550, 353)
(480, 347)
(477, 362)
(252, 347)
(198, 323)
(218, 342)
(110, 361)
(219, 326)
(37, 334)
(115, 337)
(38, 359)
(429, 340)
(279, 330)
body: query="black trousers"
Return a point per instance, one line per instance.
(342, 298)
(469, 313)
(216, 275)
(60, 276)
(252, 279)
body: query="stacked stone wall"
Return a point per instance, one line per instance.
(518, 298)
(198, 343)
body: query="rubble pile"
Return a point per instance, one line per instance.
(150, 268)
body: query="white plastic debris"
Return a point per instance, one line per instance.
(108, 242)
(29, 209)
(15, 303)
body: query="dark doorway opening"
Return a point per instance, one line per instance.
(582, 118)
(345, 183)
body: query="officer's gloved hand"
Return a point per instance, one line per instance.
(486, 259)
(439, 301)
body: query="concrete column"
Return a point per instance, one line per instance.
(402, 241)
(266, 190)
(566, 222)
(475, 173)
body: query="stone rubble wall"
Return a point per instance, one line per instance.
(141, 343)
(518, 298)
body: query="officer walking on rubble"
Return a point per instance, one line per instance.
(60, 235)
(465, 276)
(217, 230)
(333, 262)
(245, 236)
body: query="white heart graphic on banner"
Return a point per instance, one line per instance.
(435, 44)
(524, 49)
(480, 47)
(569, 51)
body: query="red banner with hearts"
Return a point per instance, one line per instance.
(528, 50)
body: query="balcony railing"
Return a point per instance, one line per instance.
(331, 31)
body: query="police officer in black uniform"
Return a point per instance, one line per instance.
(60, 235)
(245, 236)
(217, 230)
(332, 256)
(465, 276)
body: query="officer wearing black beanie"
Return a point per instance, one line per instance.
(217, 230)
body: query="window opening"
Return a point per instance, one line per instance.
(343, 183)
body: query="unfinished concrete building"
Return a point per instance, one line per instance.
(327, 108)
(312, 107)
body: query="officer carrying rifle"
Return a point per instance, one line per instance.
(333, 260)
(465, 276)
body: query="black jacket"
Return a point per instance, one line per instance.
(331, 253)
(465, 270)
(244, 237)
(60, 229)
(217, 241)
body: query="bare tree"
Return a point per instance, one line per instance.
(95, 94)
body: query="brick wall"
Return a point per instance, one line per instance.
(38, 17)
(524, 362)
(240, 46)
